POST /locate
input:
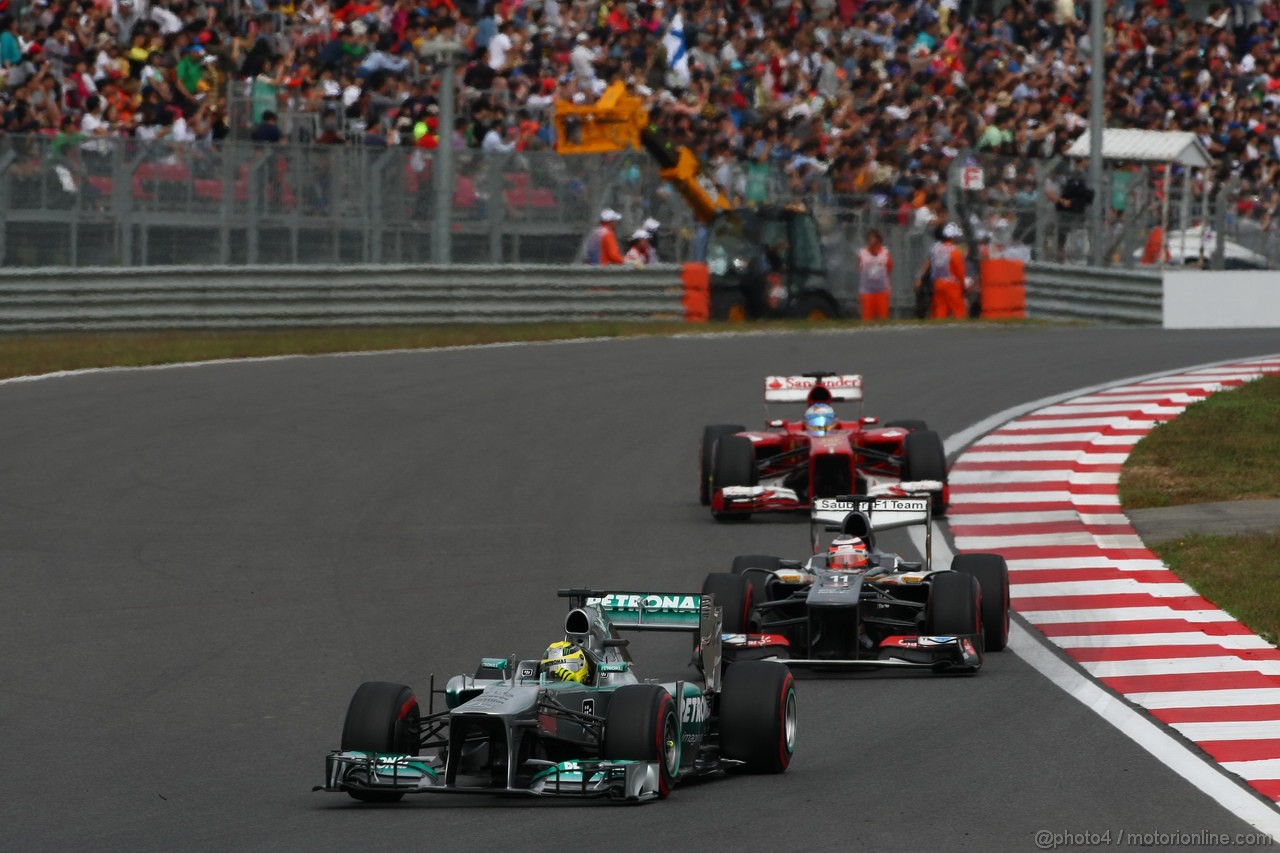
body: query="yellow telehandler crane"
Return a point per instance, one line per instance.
(618, 121)
(763, 262)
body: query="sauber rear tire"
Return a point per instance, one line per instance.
(710, 435)
(758, 716)
(382, 717)
(953, 606)
(992, 573)
(733, 463)
(759, 580)
(923, 458)
(735, 598)
(641, 725)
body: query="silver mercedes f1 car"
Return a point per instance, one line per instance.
(580, 723)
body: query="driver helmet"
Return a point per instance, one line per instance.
(847, 552)
(565, 661)
(819, 419)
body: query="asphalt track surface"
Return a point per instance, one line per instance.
(201, 564)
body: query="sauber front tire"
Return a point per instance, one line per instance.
(992, 573)
(759, 580)
(954, 605)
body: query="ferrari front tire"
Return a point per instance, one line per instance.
(909, 424)
(924, 458)
(733, 464)
(710, 435)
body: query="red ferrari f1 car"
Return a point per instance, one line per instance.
(790, 464)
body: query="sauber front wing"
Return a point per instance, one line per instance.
(959, 653)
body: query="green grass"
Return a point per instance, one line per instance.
(25, 355)
(1226, 447)
(1237, 573)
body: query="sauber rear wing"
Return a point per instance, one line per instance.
(661, 611)
(906, 505)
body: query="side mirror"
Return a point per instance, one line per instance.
(868, 420)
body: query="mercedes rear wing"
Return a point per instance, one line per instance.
(901, 505)
(694, 612)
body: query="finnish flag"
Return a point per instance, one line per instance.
(677, 51)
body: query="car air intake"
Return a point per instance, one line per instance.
(577, 625)
(831, 476)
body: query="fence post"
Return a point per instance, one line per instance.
(5, 162)
(255, 191)
(443, 52)
(121, 186)
(1220, 225)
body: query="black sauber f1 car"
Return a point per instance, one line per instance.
(517, 728)
(789, 464)
(890, 612)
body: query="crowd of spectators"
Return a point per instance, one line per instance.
(872, 98)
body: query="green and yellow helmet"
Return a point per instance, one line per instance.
(565, 661)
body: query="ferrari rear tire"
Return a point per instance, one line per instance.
(710, 435)
(909, 425)
(641, 725)
(759, 580)
(992, 573)
(923, 458)
(733, 463)
(735, 598)
(382, 717)
(758, 716)
(954, 605)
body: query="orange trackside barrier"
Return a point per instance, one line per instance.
(1004, 288)
(697, 292)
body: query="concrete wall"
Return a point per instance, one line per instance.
(1222, 300)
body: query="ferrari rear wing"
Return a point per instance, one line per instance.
(845, 388)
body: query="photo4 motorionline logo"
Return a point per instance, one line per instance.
(1050, 840)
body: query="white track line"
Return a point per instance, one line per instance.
(1107, 587)
(1237, 642)
(1237, 730)
(1138, 727)
(1213, 780)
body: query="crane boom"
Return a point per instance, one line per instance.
(618, 121)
